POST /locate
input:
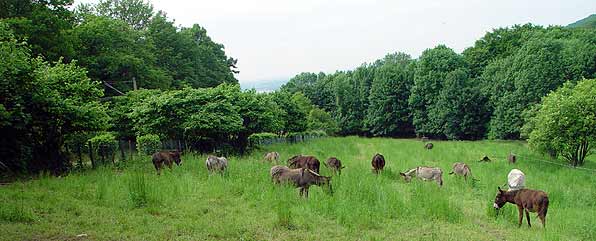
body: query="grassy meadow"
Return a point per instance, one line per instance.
(130, 202)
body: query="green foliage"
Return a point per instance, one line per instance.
(438, 72)
(148, 144)
(208, 117)
(565, 122)
(520, 80)
(135, 13)
(293, 115)
(497, 44)
(45, 25)
(388, 113)
(305, 83)
(104, 143)
(43, 103)
(320, 120)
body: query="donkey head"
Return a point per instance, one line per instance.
(176, 157)
(500, 199)
(406, 176)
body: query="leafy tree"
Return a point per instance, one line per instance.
(461, 109)
(348, 113)
(208, 117)
(41, 105)
(431, 72)
(565, 122)
(117, 55)
(499, 43)
(519, 81)
(135, 13)
(388, 113)
(45, 25)
(208, 59)
(319, 120)
(293, 116)
(304, 82)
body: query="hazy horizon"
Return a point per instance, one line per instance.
(277, 39)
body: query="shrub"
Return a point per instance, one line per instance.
(104, 144)
(565, 122)
(148, 144)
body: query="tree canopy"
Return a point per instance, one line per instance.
(565, 122)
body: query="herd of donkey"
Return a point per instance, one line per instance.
(302, 171)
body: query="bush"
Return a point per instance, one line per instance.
(148, 144)
(104, 144)
(565, 122)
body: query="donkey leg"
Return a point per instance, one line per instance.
(528, 218)
(306, 191)
(542, 220)
(520, 210)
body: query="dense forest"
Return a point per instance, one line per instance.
(481, 93)
(120, 70)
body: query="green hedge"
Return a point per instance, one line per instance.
(148, 144)
(104, 144)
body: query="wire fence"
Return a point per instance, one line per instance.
(545, 161)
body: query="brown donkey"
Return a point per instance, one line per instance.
(526, 200)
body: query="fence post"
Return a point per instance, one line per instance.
(130, 148)
(121, 151)
(80, 155)
(91, 155)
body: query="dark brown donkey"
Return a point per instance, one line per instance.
(526, 200)
(165, 157)
(378, 163)
(334, 164)
(301, 161)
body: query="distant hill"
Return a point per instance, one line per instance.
(263, 86)
(589, 22)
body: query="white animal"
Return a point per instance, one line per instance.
(216, 164)
(424, 173)
(516, 179)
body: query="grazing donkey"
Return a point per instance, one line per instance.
(461, 169)
(334, 164)
(272, 157)
(428, 145)
(165, 157)
(301, 178)
(378, 163)
(526, 200)
(301, 161)
(511, 158)
(424, 173)
(216, 164)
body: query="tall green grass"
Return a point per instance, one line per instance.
(132, 202)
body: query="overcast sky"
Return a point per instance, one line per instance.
(276, 39)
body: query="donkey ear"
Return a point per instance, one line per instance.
(402, 174)
(499, 189)
(343, 167)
